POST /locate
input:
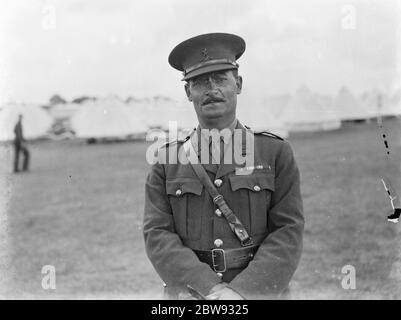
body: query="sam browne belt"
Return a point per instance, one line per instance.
(221, 260)
(235, 224)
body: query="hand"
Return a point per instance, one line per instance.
(185, 296)
(222, 292)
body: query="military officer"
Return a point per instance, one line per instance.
(20, 146)
(191, 237)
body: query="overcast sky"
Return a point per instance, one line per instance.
(121, 46)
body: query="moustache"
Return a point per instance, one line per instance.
(211, 99)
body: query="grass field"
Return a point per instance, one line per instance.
(80, 209)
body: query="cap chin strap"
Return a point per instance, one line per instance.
(235, 224)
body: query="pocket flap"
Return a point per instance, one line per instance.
(180, 186)
(254, 182)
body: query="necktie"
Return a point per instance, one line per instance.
(217, 150)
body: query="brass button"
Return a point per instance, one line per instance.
(256, 188)
(178, 192)
(218, 243)
(219, 274)
(218, 182)
(218, 212)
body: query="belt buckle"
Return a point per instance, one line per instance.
(214, 255)
(247, 242)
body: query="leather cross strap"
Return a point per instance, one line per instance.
(235, 224)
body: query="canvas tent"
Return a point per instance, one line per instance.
(379, 104)
(327, 103)
(154, 112)
(395, 103)
(349, 107)
(373, 102)
(159, 111)
(185, 115)
(388, 107)
(64, 111)
(165, 110)
(139, 109)
(35, 122)
(106, 118)
(62, 114)
(259, 117)
(276, 103)
(306, 112)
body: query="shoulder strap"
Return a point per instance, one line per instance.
(269, 134)
(265, 133)
(235, 224)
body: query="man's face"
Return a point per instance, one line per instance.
(214, 94)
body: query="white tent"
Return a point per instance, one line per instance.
(141, 109)
(373, 101)
(379, 104)
(159, 111)
(306, 112)
(388, 106)
(155, 112)
(106, 118)
(35, 122)
(164, 110)
(349, 107)
(327, 104)
(64, 111)
(395, 103)
(396, 97)
(185, 115)
(277, 103)
(259, 117)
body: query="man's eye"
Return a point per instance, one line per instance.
(200, 82)
(205, 81)
(219, 79)
(196, 83)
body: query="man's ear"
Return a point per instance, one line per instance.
(188, 91)
(239, 84)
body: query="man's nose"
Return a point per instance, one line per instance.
(211, 84)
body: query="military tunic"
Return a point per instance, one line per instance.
(180, 216)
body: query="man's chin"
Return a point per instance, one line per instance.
(212, 113)
(213, 108)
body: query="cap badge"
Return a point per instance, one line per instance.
(205, 55)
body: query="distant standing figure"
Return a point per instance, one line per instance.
(20, 146)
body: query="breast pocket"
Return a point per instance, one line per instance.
(186, 197)
(253, 196)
